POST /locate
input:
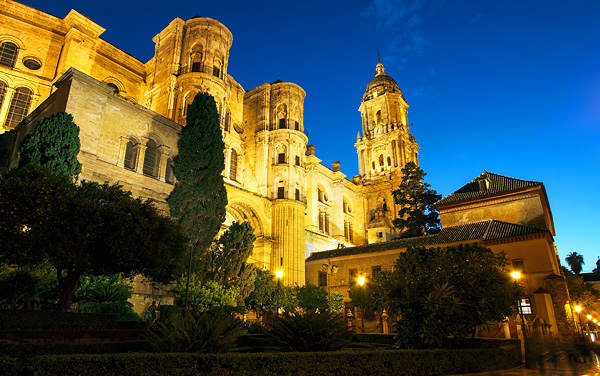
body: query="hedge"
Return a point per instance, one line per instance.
(25, 350)
(8, 366)
(52, 320)
(365, 363)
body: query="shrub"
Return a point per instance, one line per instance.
(8, 366)
(26, 350)
(105, 294)
(343, 363)
(309, 331)
(206, 296)
(312, 298)
(51, 320)
(204, 332)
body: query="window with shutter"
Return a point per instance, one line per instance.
(322, 279)
(130, 155)
(151, 159)
(19, 107)
(297, 194)
(233, 162)
(281, 158)
(8, 54)
(282, 124)
(280, 192)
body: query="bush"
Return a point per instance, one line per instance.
(51, 320)
(8, 366)
(203, 332)
(206, 296)
(309, 331)
(105, 294)
(364, 363)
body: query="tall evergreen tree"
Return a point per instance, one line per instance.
(575, 261)
(199, 198)
(417, 216)
(53, 143)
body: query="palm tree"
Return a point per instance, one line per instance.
(575, 261)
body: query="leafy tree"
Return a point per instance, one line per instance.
(312, 298)
(207, 296)
(581, 292)
(82, 229)
(54, 143)
(336, 302)
(269, 295)
(416, 216)
(27, 287)
(199, 198)
(105, 294)
(448, 292)
(575, 261)
(225, 262)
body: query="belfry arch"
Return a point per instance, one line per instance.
(242, 212)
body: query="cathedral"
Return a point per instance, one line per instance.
(130, 114)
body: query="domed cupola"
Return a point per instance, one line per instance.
(380, 84)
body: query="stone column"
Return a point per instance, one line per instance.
(8, 95)
(122, 149)
(162, 163)
(139, 166)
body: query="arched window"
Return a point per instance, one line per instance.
(2, 92)
(19, 107)
(197, 62)
(381, 160)
(114, 87)
(217, 70)
(151, 159)
(8, 54)
(282, 124)
(131, 152)
(378, 117)
(169, 175)
(233, 164)
(227, 121)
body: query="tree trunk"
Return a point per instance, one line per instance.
(68, 288)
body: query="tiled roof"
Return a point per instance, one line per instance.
(485, 185)
(484, 231)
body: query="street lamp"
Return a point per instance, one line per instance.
(361, 280)
(589, 317)
(578, 309)
(516, 275)
(278, 273)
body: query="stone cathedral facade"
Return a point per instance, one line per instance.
(131, 112)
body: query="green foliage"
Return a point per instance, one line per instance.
(199, 332)
(53, 143)
(27, 287)
(105, 294)
(309, 331)
(373, 296)
(8, 366)
(336, 302)
(312, 298)
(199, 198)
(417, 216)
(225, 262)
(366, 363)
(581, 292)
(448, 292)
(207, 296)
(575, 261)
(50, 320)
(108, 232)
(269, 295)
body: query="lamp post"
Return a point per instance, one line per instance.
(578, 309)
(361, 280)
(278, 276)
(516, 276)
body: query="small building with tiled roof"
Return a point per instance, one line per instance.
(501, 213)
(493, 196)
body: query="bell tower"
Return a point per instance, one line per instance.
(385, 146)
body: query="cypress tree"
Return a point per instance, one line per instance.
(199, 198)
(53, 143)
(416, 216)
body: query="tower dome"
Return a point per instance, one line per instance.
(380, 84)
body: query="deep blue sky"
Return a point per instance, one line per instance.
(512, 87)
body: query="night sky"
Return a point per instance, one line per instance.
(511, 87)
